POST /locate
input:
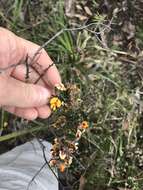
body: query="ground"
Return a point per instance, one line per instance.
(100, 62)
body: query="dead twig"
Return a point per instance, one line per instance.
(46, 161)
(36, 175)
(41, 75)
(46, 43)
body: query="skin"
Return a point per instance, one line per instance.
(26, 100)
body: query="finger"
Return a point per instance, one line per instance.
(52, 75)
(11, 51)
(25, 113)
(21, 73)
(44, 111)
(16, 93)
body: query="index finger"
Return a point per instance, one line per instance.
(42, 63)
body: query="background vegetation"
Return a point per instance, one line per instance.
(102, 64)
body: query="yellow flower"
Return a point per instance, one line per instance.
(55, 103)
(5, 124)
(60, 87)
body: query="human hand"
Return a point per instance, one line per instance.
(27, 100)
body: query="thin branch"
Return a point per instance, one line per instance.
(48, 42)
(46, 161)
(41, 75)
(59, 33)
(36, 175)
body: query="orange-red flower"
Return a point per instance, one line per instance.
(84, 125)
(62, 167)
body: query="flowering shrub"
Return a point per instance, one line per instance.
(63, 149)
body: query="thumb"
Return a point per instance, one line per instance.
(16, 93)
